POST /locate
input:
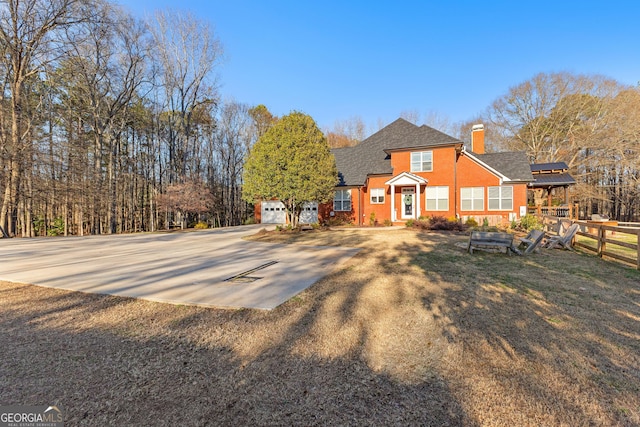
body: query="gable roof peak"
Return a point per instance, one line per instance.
(401, 120)
(372, 155)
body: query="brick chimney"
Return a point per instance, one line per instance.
(477, 139)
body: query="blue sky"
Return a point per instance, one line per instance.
(338, 59)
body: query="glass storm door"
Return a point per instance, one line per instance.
(408, 202)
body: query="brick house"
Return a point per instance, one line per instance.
(406, 171)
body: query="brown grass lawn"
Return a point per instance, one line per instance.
(411, 331)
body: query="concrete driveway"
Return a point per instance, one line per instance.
(213, 268)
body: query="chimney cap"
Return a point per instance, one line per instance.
(477, 127)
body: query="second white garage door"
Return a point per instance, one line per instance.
(309, 213)
(273, 212)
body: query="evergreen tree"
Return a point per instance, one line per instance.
(291, 162)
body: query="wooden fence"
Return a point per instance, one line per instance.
(621, 242)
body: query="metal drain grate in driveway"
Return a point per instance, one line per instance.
(244, 276)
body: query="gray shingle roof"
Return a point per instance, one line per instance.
(538, 167)
(512, 164)
(552, 179)
(372, 156)
(345, 164)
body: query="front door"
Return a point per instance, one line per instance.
(408, 203)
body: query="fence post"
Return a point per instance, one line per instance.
(638, 250)
(602, 245)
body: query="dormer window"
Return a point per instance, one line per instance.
(422, 161)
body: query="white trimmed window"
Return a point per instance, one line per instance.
(500, 198)
(377, 195)
(422, 161)
(437, 198)
(342, 200)
(472, 198)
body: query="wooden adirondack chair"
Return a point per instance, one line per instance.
(565, 240)
(530, 243)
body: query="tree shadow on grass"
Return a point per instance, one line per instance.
(416, 332)
(45, 304)
(556, 331)
(313, 361)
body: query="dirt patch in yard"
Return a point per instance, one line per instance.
(412, 330)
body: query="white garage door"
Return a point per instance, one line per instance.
(273, 212)
(309, 213)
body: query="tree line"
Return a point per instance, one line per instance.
(110, 124)
(590, 122)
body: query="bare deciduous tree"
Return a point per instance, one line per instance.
(262, 119)
(98, 116)
(584, 121)
(412, 116)
(551, 115)
(346, 133)
(27, 36)
(105, 70)
(188, 53)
